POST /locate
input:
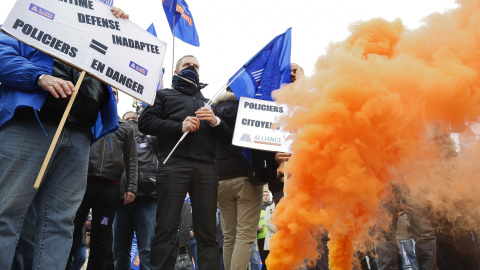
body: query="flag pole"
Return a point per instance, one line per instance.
(225, 86)
(57, 133)
(209, 103)
(173, 45)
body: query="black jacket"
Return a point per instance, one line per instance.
(109, 163)
(230, 162)
(147, 164)
(164, 119)
(84, 112)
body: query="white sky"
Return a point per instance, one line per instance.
(231, 32)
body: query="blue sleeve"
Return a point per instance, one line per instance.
(21, 64)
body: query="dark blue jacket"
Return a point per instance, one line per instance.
(20, 65)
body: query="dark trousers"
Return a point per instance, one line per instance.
(263, 253)
(422, 232)
(322, 263)
(104, 199)
(457, 249)
(174, 180)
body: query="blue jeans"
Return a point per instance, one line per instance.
(23, 148)
(79, 256)
(138, 216)
(222, 266)
(422, 232)
(407, 245)
(254, 258)
(193, 247)
(24, 252)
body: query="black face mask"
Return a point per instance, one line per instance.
(188, 75)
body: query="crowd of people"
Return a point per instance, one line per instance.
(211, 201)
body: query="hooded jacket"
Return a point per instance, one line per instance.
(20, 65)
(164, 119)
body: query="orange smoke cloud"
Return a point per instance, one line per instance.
(367, 109)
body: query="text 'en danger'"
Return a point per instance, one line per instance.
(117, 76)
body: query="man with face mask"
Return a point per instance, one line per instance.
(138, 216)
(191, 167)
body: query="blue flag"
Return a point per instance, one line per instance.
(151, 30)
(177, 11)
(266, 71)
(107, 2)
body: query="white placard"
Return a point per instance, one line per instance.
(256, 126)
(86, 35)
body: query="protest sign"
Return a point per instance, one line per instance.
(256, 126)
(86, 35)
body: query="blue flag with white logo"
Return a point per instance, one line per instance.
(134, 254)
(266, 71)
(107, 2)
(179, 14)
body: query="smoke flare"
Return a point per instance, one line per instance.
(366, 114)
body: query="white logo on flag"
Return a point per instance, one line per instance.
(257, 75)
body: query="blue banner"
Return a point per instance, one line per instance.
(107, 2)
(134, 258)
(178, 14)
(151, 30)
(266, 71)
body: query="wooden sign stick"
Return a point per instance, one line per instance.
(57, 133)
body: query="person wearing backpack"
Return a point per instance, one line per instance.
(138, 216)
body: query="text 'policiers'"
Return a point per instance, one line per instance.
(263, 107)
(46, 39)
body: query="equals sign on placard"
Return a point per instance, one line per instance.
(99, 47)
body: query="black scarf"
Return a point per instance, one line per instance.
(186, 81)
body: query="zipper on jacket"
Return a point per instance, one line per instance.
(103, 156)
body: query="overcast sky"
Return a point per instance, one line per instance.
(231, 32)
